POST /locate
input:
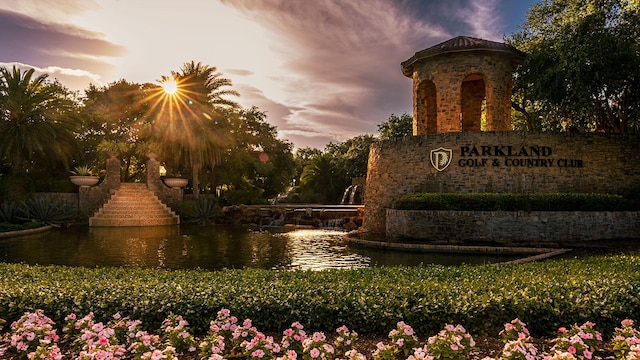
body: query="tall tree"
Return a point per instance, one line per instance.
(583, 66)
(186, 128)
(396, 126)
(258, 159)
(319, 176)
(113, 118)
(36, 121)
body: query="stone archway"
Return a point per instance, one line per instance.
(472, 98)
(426, 107)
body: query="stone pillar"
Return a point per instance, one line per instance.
(172, 197)
(112, 176)
(90, 199)
(154, 183)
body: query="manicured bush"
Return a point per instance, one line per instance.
(545, 295)
(514, 202)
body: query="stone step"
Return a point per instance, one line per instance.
(134, 222)
(141, 202)
(133, 205)
(129, 213)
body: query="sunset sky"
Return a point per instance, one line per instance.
(323, 70)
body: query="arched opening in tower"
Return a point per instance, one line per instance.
(426, 120)
(473, 103)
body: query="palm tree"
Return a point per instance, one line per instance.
(190, 133)
(319, 176)
(35, 121)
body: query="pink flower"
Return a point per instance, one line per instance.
(342, 328)
(258, 353)
(318, 336)
(314, 353)
(571, 350)
(288, 332)
(627, 322)
(587, 354)
(562, 330)
(586, 336)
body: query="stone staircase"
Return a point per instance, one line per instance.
(134, 205)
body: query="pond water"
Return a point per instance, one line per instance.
(213, 247)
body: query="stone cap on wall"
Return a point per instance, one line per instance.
(461, 44)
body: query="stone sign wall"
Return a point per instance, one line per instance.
(478, 162)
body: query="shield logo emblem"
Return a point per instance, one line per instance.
(441, 158)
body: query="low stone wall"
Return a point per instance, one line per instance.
(318, 216)
(560, 227)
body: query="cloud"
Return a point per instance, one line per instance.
(239, 72)
(482, 17)
(323, 70)
(343, 60)
(32, 41)
(72, 78)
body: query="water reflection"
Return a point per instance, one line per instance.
(211, 247)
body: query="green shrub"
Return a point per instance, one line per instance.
(201, 211)
(47, 212)
(10, 212)
(514, 202)
(545, 295)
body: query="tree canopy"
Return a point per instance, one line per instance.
(185, 129)
(582, 70)
(37, 128)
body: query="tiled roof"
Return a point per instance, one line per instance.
(459, 44)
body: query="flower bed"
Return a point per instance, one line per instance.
(35, 336)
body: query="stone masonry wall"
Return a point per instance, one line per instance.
(448, 73)
(513, 226)
(499, 162)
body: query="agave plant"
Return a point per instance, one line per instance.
(47, 212)
(202, 211)
(10, 212)
(83, 170)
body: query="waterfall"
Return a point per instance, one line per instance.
(346, 193)
(352, 197)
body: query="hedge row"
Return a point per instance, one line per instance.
(515, 202)
(545, 295)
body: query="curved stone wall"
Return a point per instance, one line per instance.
(560, 227)
(477, 162)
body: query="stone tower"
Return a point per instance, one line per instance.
(456, 81)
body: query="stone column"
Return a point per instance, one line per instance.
(154, 183)
(172, 197)
(90, 199)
